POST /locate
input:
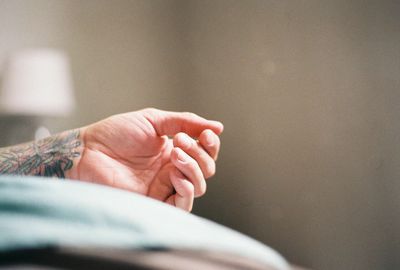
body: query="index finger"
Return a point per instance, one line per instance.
(171, 123)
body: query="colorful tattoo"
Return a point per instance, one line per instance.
(51, 156)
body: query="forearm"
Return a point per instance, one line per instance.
(53, 156)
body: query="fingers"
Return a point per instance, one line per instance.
(191, 169)
(197, 152)
(184, 191)
(194, 162)
(210, 142)
(170, 123)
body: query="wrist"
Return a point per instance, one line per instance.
(53, 156)
(74, 171)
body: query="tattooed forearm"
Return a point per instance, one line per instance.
(51, 156)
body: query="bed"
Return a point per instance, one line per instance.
(53, 224)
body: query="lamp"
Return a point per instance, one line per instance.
(36, 84)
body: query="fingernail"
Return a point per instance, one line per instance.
(186, 143)
(209, 140)
(181, 156)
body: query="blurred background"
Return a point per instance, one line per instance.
(309, 92)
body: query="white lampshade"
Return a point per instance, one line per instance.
(37, 82)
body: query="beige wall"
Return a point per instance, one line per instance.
(309, 94)
(308, 91)
(124, 54)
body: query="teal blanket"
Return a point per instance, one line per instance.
(37, 212)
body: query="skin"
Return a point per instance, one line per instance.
(164, 155)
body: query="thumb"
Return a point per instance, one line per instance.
(171, 123)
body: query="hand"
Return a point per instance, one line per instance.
(151, 152)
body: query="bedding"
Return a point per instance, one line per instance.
(56, 217)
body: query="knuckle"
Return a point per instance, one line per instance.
(149, 113)
(149, 110)
(189, 115)
(193, 166)
(188, 189)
